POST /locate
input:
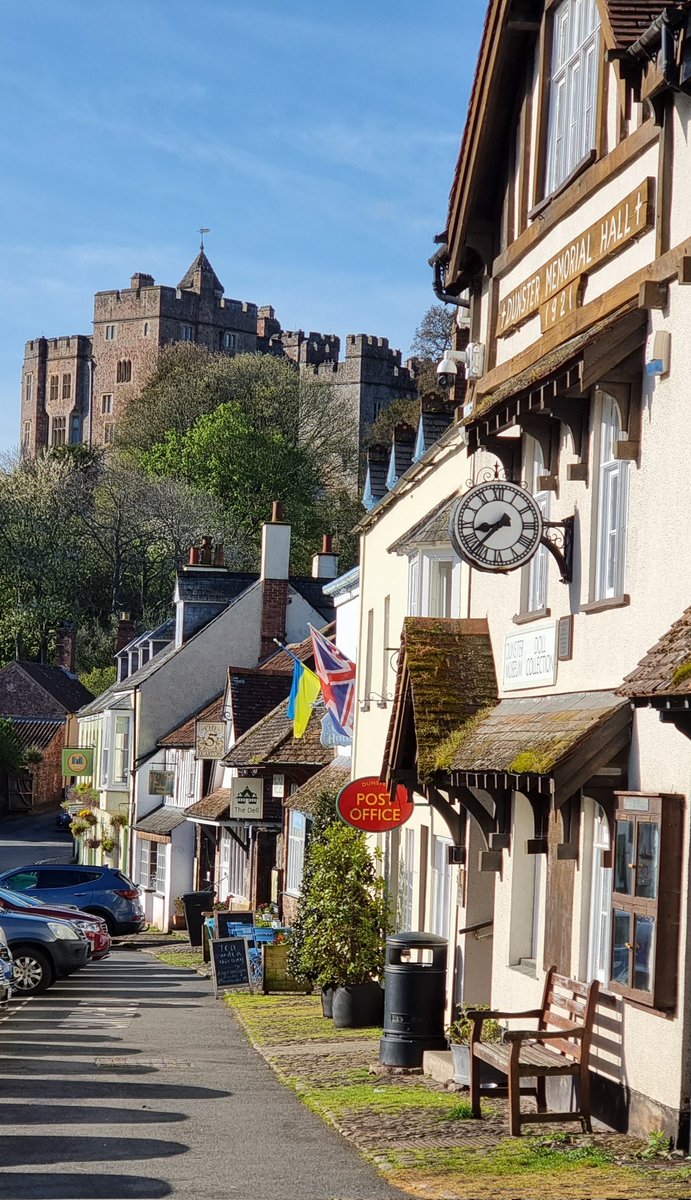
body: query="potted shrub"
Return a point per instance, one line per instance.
(108, 843)
(346, 923)
(459, 1033)
(78, 827)
(118, 821)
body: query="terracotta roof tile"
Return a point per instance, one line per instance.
(666, 669)
(214, 807)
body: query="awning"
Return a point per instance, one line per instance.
(551, 745)
(157, 826)
(332, 779)
(572, 368)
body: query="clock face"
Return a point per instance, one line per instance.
(496, 526)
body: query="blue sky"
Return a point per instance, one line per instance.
(317, 140)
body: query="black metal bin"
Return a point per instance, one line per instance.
(415, 996)
(196, 903)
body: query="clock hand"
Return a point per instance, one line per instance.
(488, 530)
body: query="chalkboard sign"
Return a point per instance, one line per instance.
(228, 924)
(230, 963)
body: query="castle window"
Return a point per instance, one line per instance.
(107, 403)
(186, 333)
(124, 371)
(573, 88)
(66, 387)
(108, 431)
(26, 435)
(146, 329)
(29, 388)
(111, 331)
(58, 431)
(228, 341)
(54, 387)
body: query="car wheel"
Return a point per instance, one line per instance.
(105, 916)
(32, 971)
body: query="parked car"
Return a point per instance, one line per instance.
(102, 891)
(94, 927)
(43, 950)
(63, 819)
(6, 970)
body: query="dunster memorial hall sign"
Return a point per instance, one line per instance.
(553, 291)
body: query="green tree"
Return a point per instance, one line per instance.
(98, 679)
(323, 818)
(11, 756)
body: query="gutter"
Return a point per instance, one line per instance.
(438, 263)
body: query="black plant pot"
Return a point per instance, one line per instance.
(327, 1001)
(359, 1005)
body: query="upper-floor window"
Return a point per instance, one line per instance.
(536, 598)
(430, 584)
(58, 432)
(26, 435)
(107, 403)
(111, 333)
(186, 333)
(66, 386)
(123, 371)
(612, 505)
(54, 387)
(573, 87)
(29, 388)
(228, 341)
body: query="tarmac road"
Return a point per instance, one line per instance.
(27, 838)
(129, 1081)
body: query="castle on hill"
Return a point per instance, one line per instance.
(75, 387)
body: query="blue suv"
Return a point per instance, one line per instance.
(104, 891)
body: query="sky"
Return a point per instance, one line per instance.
(317, 141)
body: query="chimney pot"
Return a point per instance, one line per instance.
(277, 512)
(219, 560)
(125, 632)
(327, 544)
(206, 552)
(194, 556)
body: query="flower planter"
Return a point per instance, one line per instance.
(358, 1005)
(327, 1001)
(489, 1076)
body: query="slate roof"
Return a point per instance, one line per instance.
(401, 457)
(432, 530)
(182, 737)
(430, 429)
(252, 694)
(375, 481)
(312, 590)
(334, 778)
(271, 743)
(202, 263)
(63, 687)
(213, 585)
(214, 807)
(445, 677)
(547, 740)
(162, 820)
(666, 669)
(37, 733)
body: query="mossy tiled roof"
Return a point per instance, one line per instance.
(662, 671)
(332, 778)
(271, 743)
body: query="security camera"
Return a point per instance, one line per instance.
(448, 369)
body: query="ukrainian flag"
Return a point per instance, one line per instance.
(303, 693)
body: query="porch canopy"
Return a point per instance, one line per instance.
(330, 779)
(158, 826)
(662, 679)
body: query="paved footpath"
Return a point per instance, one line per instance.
(129, 1081)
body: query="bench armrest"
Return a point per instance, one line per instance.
(541, 1035)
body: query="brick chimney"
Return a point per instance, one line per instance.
(275, 569)
(325, 563)
(125, 632)
(66, 646)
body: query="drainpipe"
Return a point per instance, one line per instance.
(438, 263)
(661, 32)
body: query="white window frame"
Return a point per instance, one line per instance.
(574, 77)
(413, 585)
(295, 859)
(233, 881)
(437, 585)
(537, 569)
(152, 866)
(111, 333)
(600, 911)
(121, 748)
(410, 865)
(612, 505)
(442, 887)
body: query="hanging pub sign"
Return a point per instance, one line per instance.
(161, 783)
(78, 762)
(209, 739)
(367, 804)
(247, 799)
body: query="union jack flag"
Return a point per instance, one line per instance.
(337, 677)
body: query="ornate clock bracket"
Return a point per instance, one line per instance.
(560, 546)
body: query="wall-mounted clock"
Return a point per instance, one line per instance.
(496, 526)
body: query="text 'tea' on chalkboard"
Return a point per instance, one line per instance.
(230, 963)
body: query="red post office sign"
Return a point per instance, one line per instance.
(367, 804)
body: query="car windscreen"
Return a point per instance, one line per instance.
(20, 900)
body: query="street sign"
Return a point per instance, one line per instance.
(78, 761)
(367, 804)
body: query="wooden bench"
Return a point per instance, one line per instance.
(559, 1046)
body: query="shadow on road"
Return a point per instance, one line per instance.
(36, 1185)
(55, 1089)
(77, 1114)
(32, 1149)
